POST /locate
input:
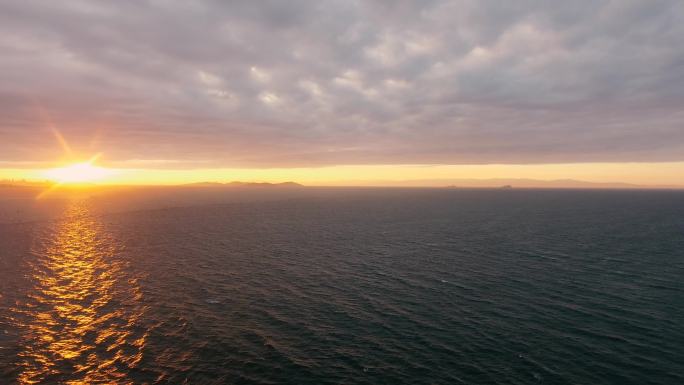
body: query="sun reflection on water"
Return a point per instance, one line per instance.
(79, 320)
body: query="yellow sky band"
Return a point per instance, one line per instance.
(667, 173)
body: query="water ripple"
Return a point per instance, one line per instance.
(78, 321)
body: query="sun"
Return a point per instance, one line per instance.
(84, 172)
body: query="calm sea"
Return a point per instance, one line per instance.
(343, 286)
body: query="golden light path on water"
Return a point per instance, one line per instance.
(79, 319)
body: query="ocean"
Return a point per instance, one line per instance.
(342, 286)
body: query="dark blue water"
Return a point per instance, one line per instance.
(350, 287)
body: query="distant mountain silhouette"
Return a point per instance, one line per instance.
(444, 183)
(243, 184)
(510, 183)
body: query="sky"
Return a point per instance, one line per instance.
(335, 91)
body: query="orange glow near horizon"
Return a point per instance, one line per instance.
(78, 173)
(425, 175)
(666, 173)
(85, 172)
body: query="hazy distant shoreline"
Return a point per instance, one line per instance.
(420, 183)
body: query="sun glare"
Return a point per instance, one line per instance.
(84, 172)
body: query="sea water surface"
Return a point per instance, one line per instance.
(344, 286)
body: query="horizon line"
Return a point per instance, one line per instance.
(505, 183)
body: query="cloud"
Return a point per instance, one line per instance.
(300, 83)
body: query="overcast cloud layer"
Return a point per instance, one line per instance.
(310, 83)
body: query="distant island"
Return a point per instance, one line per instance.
(518, 183)
(502, 184)
(44, 184)
(243, 184)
